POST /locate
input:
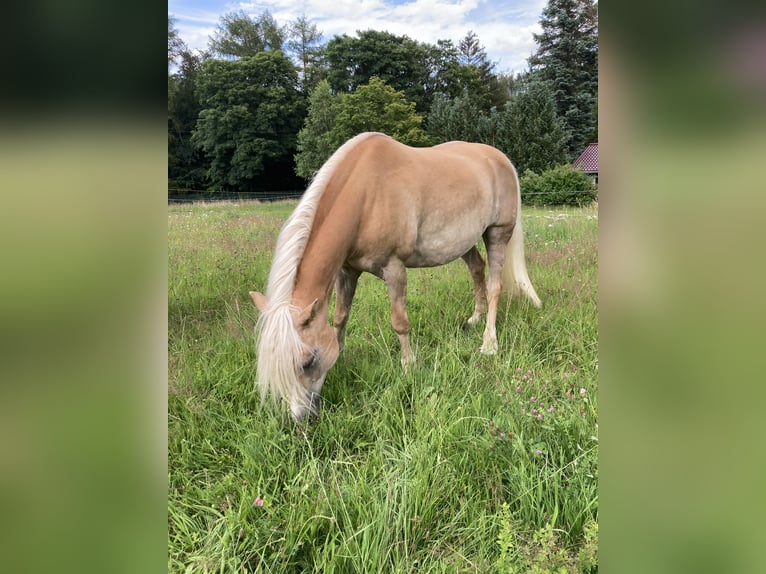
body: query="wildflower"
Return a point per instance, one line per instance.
(540, 417)
(538, 452)
(582, 392)
(258, 501)
(518, 370)
(532, 399)
(529, 372)
(518, 390)
(534, 412)
(564, 376)
(550, 409)
(523, 377)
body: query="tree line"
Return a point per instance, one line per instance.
(266, 104)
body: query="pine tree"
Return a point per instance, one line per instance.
(453, 119)
(531, 133)
(304, 44)
(476, 73)
(567, 58)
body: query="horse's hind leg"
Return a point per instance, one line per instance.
(496, 239)
(476, 267)
(395, 277)
(345, 287)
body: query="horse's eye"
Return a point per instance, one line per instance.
(310, 362)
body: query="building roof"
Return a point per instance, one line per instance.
(588, 160)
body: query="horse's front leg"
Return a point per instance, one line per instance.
(345, 287)
(395, 277)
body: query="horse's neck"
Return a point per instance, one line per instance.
(325, 252)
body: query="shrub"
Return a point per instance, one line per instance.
(562, 185)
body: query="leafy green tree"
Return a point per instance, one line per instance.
(251, 113)
(444, 69)
(378, 107)
(187, 167)
(315, 140)
(530, 131)
(334, 118)
(509, 85)
(567, 58)
(239, 35)
(399, 61)
(305, 44)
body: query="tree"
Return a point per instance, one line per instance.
(175, 45)
(251, 113)
(239, 35)
(476, 75)
(334, 118)
(567, 58)
(315, 140)
(304, 44)
(454, 119)
(378, 107)
(186, 164)
(472, 53)
(531, 133)
(399, 61)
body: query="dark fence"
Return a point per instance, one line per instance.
(183, 196)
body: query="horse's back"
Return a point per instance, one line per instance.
(427, 205)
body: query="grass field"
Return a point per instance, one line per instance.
(468, 463)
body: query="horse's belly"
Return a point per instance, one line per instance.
(440, 249)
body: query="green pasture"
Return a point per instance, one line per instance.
(467, 463)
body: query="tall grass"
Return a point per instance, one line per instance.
(467, 463)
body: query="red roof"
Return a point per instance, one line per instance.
(588, 160)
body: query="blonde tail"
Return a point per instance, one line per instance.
(515, 277)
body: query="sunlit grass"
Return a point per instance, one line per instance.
(422, 472)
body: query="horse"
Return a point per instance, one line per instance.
(380, 206)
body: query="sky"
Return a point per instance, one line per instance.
(504, 27)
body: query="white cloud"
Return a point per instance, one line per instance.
(504, 27)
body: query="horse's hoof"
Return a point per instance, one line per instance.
(490, 349)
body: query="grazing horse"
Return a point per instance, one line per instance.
(380, 206)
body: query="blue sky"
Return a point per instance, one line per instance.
(504, 27)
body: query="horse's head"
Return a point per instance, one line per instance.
(295, 352)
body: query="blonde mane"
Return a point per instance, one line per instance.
(279, 345)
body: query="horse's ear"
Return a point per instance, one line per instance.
(308, 313)
(259, 299)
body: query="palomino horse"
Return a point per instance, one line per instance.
(380, 206)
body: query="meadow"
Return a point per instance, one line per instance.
(466, 463)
